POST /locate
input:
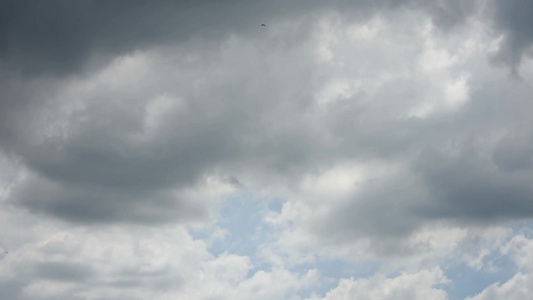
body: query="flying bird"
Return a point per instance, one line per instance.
(263, 25)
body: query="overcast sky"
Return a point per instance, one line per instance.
(346, 150)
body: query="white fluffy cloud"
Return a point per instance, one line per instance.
(420, 285)
(520, 249)
(136, 263)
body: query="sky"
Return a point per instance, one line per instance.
(346, 150)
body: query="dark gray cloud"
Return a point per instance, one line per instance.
(62, 271)
(449, 13)
(485, 175)
(514, 21)
(60, 37)
(467, 188)
(238, 105)
(82, 204)
(11, 289)
(513, 153)
(112, 148)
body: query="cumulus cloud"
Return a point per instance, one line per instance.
(139, 262)
(159, 118)
(381, 128)
(520, 249)
(419, 285)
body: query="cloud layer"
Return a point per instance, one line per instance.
(395, 134)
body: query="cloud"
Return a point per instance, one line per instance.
(60, 38)
(520, 249)
(124, 262)
(404, 172)
(511, 18)
(515, 288)
(83, 205)
(128, 129)
(419, 285)
(157, 126)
